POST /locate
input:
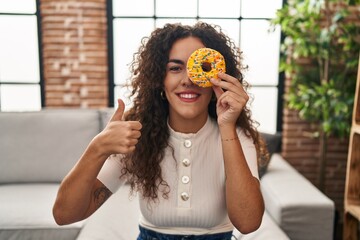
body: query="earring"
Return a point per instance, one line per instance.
(162, 95)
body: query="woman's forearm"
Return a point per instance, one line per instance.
(80, 193)
(243, 196)
(75, 196)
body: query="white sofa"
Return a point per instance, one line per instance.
(37, 149)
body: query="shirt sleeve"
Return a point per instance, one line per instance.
(249, 150)
(110, 173)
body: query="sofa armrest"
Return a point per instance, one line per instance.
(299, 208)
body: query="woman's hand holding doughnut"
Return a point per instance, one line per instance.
(206, 67)
(231, 98)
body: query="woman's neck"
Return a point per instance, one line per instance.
(184, 125)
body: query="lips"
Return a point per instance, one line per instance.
(188, 96)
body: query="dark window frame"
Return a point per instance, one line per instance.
(41, 71)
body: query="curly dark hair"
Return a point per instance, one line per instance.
(149, 69)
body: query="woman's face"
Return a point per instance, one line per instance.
(186, 100)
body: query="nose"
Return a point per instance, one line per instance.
(186, 82)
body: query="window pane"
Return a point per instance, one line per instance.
(133, 8)
(260, 52)
(19, 58)
(20, 97)
(260, 8)
(264, 107)
(162, 21)
(127, 38)
(215, 8)
(175, 8)
(123, 93)
(230, 27)
(18, 6)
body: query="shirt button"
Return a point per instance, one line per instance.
(187, 143)
(185, 179)
(186, 162)
(184, 196)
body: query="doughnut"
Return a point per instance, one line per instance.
(203, 64)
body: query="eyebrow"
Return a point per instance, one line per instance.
(176, 61)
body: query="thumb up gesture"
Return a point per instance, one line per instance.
(119, 136)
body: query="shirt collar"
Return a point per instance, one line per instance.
(202, 131)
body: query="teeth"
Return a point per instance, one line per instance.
(188, 95)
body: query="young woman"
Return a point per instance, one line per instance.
(190, 152)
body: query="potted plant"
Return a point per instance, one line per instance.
(320, 55)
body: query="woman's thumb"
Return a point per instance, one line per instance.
(117, 116)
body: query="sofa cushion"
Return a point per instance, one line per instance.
(273, 142)
(105, 116)
(273, 145)
(299, 208)
(43, 146)
(26, 213)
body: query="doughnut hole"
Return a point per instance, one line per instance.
(206, 66)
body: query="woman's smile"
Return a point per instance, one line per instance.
(188, 96)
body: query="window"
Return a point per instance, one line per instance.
(20, 83)
(245, 21)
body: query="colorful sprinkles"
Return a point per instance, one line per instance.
(194, 66)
